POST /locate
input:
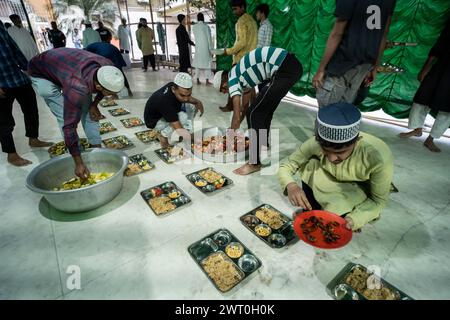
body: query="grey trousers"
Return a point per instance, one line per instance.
(343, 88)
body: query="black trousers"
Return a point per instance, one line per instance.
(151, 58)
(27, 99)
(260, 113)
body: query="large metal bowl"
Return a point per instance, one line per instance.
(54, 172)
(219, 158)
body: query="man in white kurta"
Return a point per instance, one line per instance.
(22, 38)
(124, 34)
(203, 45)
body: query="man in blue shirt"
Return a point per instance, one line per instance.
(14, 84)
(110, 52)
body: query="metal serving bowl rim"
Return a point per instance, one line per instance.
(61, 158)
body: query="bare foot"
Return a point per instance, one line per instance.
(16, 160)
(164, 142)
(36, 143)
(247, 169)
(415, 133)
(430, 145)
(226, 108)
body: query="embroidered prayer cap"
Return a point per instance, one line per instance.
(183, 80)
(338, 122)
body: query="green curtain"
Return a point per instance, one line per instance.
(303, 26)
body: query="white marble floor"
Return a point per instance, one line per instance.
(125, 252)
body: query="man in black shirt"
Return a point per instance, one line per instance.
(104, 33)
(56, 36)
(164, 109)
(433, 93)
(354, 49)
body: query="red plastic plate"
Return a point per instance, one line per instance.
(345, 234)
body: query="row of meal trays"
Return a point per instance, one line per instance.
(119, 143)
(227, 262)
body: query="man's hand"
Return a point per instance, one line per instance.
(2, 93)
(200, 108)
(82, 171)
(370, 78)
(318, 79)
(297, 196)
(94, 113)
(197, 104)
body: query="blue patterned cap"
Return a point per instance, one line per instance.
(338, 122)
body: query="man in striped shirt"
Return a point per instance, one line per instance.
(282, 69)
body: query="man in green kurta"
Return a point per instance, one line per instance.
(342, 170)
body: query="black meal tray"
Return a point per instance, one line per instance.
(162, 154)
(340, 279)
(114, 112)
(289, 235)
(125, 146)
(126, 123)
(139, 136)
(228, 182)
(136, 159)
(221, 248)
(113, 128)
(146, 195)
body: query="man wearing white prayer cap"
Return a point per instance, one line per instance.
(342, 170)
(67, 78)
(166, 109)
